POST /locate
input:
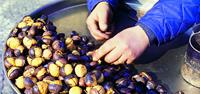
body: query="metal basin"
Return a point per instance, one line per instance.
(71, 14)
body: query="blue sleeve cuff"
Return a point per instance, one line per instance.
(92, 4)
(149, 32)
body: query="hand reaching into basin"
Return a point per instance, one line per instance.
(98, 21)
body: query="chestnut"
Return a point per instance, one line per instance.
(98, 89)
(19, 50)
(75, 90)
(21, 25)
(75, 52)
(22, 34)
(45, 46)
(73, 58)
(9, 62)
(20, 61)
(90, 80)
(65, 89)
(99, 76)
(40, 87)
(28, 82)
(40, 72)
(29, 71)
(122, 82)
(55, 86)
(54, 70)
(28, 91)
(38, 25)
(28, 42)
(70, 44)
(66, 70)
(57, 55)
(58, 45)
(150, 84)
(161, 89)
(80, 70)
(47, 33)
(35, 52)
(28, 20)
(145, 75)
(48, 79)
(8, 53)
(76, 39)
(47, 39)
(86, 58)
(73, 33)
(13, 72)
(47, 54)
(19, 82)
(37, 61)
(13, 42)
(81, 82)
(138, 78)
(71, 80)
(61, 62)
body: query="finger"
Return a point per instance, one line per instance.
(95, 36)
(113, 55)
(92, 25)
(130, 60)
(121, 60)
(103, 21)
(104, 49)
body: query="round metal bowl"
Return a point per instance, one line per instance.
(71, 15)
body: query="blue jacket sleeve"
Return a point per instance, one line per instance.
(169, 18)
(92, 3)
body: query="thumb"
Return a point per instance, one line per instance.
(103, 21)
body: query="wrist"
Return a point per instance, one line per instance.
(144, 37)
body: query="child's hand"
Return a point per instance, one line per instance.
(98, 21)
(126, 46)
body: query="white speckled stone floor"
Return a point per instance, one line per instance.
(11, 12)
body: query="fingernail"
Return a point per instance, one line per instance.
(104, 27)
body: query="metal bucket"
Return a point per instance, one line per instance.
(190, 70)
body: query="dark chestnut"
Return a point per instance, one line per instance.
(28, 82)
(71, 80)
(13, 72)
(55, 86)
(90, 80)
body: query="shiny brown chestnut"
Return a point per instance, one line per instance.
(21, 35)
(47, 39)
(20, 61)
(61, 62)
(48, 79)
(99, 76)
(57, 55)
(80, 70)
(13, 72)
(75, 90)
(90, 80)
(35, 52)
(28, 42)
(40, 87)
(53, 69)
(47, 54)
(81, 82)
(71, 80)
(9, 62)
(55, 86)
(40, 72)
(19, 50)
(13, 42)
(29, 71)
(98, 89)
(28, 82)
(19, 82)
(8, 53)
(28, 91)
(37, 61)
(57, 45)
(66, 70)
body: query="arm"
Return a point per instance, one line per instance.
(169, 18)
(92, 3)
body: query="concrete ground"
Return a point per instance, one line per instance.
(11, 12)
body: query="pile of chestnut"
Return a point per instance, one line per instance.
(39, 60)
